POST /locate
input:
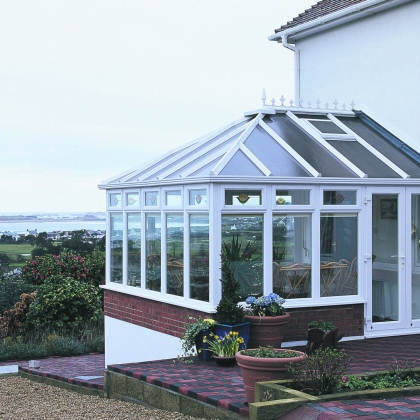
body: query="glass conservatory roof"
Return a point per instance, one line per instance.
(282, 143)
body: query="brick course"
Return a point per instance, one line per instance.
(170, 319)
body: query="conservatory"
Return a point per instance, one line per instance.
(321, 206)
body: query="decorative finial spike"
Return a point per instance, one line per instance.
(263, 97)
(273, 101)
(309, 104)
(291, 102)
(282, 99)
(318, 102)
(352, 104)
(300, 102)
(326, 105)
(335, 103)
(344, 106)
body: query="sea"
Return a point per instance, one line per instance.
(48, 223)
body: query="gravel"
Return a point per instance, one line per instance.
(23, 399)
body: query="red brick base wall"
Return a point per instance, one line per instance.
(171, 319)
(348, 319)
(158, 316)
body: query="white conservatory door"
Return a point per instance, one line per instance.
(385, 259)
(392, 260)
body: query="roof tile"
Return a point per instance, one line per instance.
(320, 9)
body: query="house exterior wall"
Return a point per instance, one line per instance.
(371, 61)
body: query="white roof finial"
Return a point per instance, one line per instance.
(263, 97)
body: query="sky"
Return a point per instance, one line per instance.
(91, 88)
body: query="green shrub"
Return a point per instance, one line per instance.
(13, 349)
(89, 269)
(63, 304)
(321, 373)
(63, 346)
(95, 344)
(398, 376)
(228, 310)
(44, 342)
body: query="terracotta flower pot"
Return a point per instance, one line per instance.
(267, 330)
(258, 369)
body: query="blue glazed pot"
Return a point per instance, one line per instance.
(203, 355)
(241, 329)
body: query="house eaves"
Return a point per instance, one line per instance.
(327, 14)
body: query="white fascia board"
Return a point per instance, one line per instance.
(194, 145)
(289, 150)
(371, 149)
(198, 154)
(340, 17)
(312, 132)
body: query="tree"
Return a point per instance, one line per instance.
(44, 246)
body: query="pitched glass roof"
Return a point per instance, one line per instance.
(283, 143)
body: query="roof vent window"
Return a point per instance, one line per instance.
(327, 127)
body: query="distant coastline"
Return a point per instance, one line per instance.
(42, 218)
(49, 222)
(14, 219)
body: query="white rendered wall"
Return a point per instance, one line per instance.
(373, 61)
(126, 343)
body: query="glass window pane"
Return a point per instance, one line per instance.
(199, 257)
(292, 238)
(197, 198)
(133, 199)
(242, 242)
(152, 198)
(153, 252)
(116, 245)
(134, 250)
(338, 245)
(243, 197)
(340, 198)
(173, 198)
(175, 251)
(292, 197)
(115, 200)
(385, 264)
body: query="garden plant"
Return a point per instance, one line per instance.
(53, 308)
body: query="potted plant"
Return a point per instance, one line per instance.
(265, 364)
(322, 334)
(229, 314)
(268, 320)
(224, 348)
(193, 337)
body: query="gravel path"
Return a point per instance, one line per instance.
(22, 399)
